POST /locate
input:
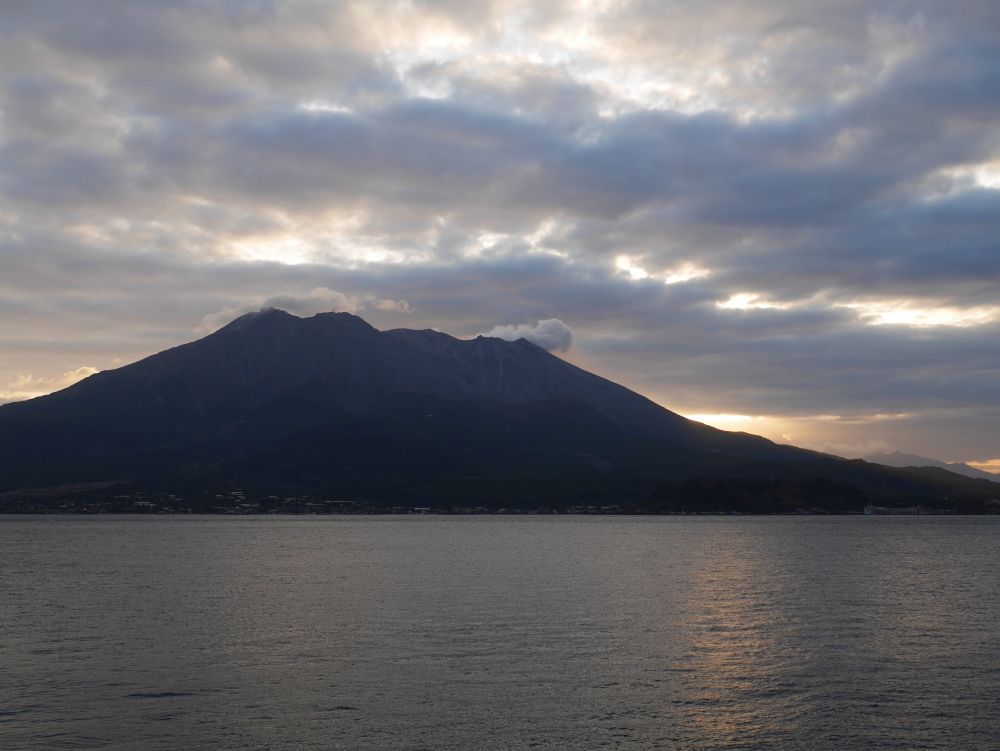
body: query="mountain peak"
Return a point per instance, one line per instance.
(256, 317)
(334, 320)
(342, 321)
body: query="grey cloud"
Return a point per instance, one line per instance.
(551, 334)
(47, 104)
(534, 91)
(60, 176)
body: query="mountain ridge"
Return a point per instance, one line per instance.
(901, 459)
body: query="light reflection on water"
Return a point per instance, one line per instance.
(500, 632)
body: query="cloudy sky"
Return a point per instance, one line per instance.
(777, 216)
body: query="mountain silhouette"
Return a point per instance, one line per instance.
(330, 406)
(899, 459)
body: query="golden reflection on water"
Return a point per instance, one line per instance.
(730, 662)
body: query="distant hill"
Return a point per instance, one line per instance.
(899, 459)
(273, 405)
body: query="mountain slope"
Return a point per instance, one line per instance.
(328, 405)
(899, 459)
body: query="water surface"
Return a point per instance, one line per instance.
(500, 632)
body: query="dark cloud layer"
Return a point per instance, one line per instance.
(765, 209)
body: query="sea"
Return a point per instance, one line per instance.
(499, 632)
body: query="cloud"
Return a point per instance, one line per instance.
(987, 465)
(550, 334)
(28, 386)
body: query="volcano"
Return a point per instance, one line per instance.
(329, 406)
